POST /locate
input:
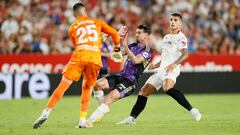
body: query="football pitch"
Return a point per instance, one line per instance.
(162, 116)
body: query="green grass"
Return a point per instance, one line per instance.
(162, 116)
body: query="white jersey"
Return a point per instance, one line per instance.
(170, 48)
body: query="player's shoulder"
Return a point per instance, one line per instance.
(181, 36)
(96, 20)
(166, 36)
(93, 19)
(132, 44)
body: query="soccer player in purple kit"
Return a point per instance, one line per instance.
(123, 84)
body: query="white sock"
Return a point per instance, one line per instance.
(47, 110)
(99, 113)
(82, 121)
(133, 119)
(99, 95)
(192, 109)
(105, 109)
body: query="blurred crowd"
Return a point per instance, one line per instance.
(40, 26)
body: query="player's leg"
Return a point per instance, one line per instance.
(124, 89)
(58, 92)
(56, 96)
(101, 85)
(153, 84)
(103, 109)
(142, 99)
(71, 73)
(140, 104)
(168, 85)
(90, 73)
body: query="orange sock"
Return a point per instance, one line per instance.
(58, 92)
(85, 99)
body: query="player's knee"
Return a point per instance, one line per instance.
(87, 86)
(98, 85)
(101, 84)
(167, 87)
(145, 91)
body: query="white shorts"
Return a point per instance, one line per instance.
(157, 79)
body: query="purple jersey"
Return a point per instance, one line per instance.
(131, 71)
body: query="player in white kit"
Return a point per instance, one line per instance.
(174, 51)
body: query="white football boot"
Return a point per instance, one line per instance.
(196, 114)
(83, 123)
(128, 121)
(42, 118)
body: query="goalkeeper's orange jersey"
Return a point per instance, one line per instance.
(85, 34)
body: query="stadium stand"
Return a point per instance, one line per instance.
(39, 26)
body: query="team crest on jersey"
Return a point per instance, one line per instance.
(145, 55)
(184, 43)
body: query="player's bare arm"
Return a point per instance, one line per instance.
(124, 43)
(153, 66)
(123, 32)
(183, 57)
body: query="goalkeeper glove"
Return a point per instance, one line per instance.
(117, 55)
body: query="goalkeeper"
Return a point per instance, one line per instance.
(123, 84)
(85, 34)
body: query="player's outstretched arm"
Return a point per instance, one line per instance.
(112, 32)
(117, 52)
(153, 66)
(134, 59)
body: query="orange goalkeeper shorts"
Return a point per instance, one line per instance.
(74, 70)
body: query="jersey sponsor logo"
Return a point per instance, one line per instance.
(145, 55)
(88, 47)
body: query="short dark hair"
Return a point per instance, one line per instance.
(78, 6)
(177, 15)
(145, 28)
